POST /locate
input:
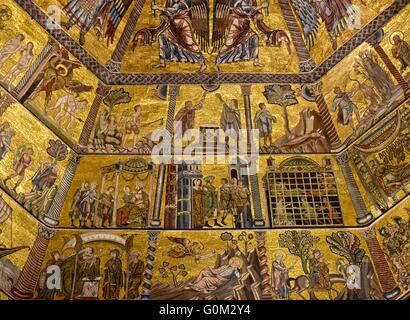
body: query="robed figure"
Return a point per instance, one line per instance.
(113, 278)
(280, 277)
(134, 275)
(102, 15)
(233, 37)
(346, 107)
(182, 32)
(210, 202)
(336, 15)
(44, 292)
(46, 176)
(197, 204)
(263, 122)
(185, 118)
(231, 117)
(401, 50)
(77, 272)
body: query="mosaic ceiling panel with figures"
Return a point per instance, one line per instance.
(204, 149)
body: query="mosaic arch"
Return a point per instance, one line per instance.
(204, 149)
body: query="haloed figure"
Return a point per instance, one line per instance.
(401, 51)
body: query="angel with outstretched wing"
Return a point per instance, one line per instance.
(184, 247)
(233, 37)
(102, 15)
(54, 76)
(182, 33)
(337, 15)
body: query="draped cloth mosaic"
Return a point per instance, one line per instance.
(204, 149)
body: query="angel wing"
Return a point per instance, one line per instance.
(200, 22)
(220, 23)
(344, 13)
(117, 12)
(77, 86)
(309, 19)
(182, 241)
(177, 252)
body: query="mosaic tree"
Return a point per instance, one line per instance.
(347, 245)
(299, 244)
(111, 140)
(284, 96)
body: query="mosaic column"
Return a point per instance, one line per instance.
(149, 267)
(117, 183)
(329, 126)
(246, 93)
(386, 278)
(114, 64)
(263, 264)
(52, 217)
(375, 42)
(362, 215)
(156, 221)
(257, 206)
(6, 103)
(306, 63)
(27, 281)
(173, 93)
(253, 177)
(101, 92)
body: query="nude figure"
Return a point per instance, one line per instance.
(10, 47)
(72, 105)
(132, 126)
(21, 163)
(22, 64)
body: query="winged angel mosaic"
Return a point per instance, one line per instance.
(103, 16)
(184, 32)
(337, 15)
